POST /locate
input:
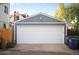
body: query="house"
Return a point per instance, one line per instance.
(4, 14)
(39, 29)
(17, 16)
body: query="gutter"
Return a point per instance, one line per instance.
(40, 23)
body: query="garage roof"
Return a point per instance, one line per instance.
(40, 18)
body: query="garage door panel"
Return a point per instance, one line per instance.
(40, 34)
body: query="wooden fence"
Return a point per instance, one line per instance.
(6, 35)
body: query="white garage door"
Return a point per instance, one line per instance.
(29, 34)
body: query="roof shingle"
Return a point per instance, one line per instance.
(40, 18)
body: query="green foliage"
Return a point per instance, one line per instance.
(76, 26)
(71, 12)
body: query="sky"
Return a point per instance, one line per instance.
(34, 8)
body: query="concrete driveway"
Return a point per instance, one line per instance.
(39, 49)
(43, 47)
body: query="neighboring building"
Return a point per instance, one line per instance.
(4, 14)
(17, 16)
(39, 29)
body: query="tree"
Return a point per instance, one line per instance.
(59, 14)
(71, 12)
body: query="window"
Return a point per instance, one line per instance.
(17, 17)
(4, 25)
(6, 9)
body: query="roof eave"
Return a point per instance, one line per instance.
(56, 23)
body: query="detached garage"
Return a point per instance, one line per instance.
(39, 29)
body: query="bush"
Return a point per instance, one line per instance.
(72, 32)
